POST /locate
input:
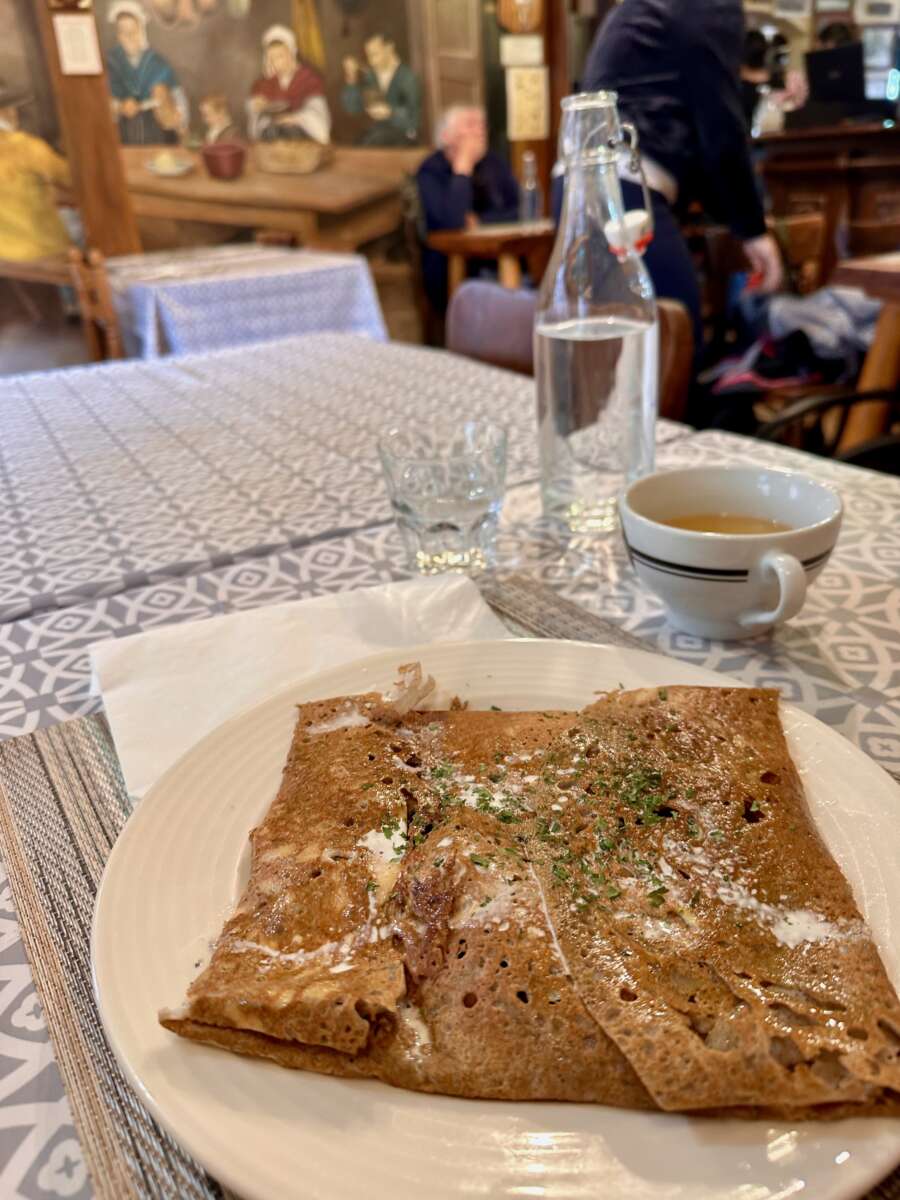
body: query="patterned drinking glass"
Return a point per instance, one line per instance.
(446, 487)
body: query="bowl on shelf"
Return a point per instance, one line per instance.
(225, 160)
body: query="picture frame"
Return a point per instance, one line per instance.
(878, 43)
(794, 10)
(877, 12)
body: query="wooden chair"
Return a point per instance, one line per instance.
(432, 322)
(719, 255)
(99, 319)
(816, 424)
(676, 358)
(802, 241)
(53, 270)
(495, 325)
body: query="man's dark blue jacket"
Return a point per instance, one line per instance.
(676, 67)
(491, 192)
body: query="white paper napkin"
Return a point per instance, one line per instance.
(166, 689)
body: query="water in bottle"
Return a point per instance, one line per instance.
(531, 197)
(596, 333)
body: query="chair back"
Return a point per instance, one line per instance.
(802, 240)
(676, 358)
(816, 424)
(99, 319)
(432, 322)
(495, 325)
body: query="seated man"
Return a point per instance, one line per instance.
(463, 184)
(30, 224)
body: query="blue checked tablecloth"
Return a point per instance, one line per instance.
(189, 301)
(138, 495)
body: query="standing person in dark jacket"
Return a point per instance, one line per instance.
(676, 67)
(462, 185)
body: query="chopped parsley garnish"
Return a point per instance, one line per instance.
(479, 860)
(371, 886)
(438, 862)
(657, 895)
(663, 693)
(389, 826)
(496, 708)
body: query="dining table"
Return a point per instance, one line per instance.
(139, 495)
(353, 197)
(207, 298)
(507, 243)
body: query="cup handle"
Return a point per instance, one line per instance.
(792, 583)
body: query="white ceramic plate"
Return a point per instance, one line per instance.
(181, 166)
(273, 1134)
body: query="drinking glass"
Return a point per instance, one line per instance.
(446, 487)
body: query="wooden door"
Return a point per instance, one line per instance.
(452, 30)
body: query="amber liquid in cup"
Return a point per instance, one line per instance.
(726, 523)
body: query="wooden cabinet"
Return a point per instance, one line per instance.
(849, 173)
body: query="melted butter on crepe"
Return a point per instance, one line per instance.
(629, 905)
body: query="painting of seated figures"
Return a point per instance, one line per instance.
(193, 72)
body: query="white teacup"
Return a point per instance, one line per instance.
(730, 585)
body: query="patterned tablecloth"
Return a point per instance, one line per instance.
(189, 301)
(194, 550)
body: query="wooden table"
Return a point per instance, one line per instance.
(351, 200)
(879, 277)
(507, 243)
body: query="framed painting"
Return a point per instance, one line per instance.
(877, 12)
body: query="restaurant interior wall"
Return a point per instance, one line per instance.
(215, 47)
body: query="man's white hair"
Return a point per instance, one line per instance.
(448, 117)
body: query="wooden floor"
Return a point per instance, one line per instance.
(35, 336)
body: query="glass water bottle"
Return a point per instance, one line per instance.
(596, 332)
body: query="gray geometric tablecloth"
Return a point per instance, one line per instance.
(114, 476)
(211, 298)
(840, 659)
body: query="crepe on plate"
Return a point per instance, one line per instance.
(628, 905)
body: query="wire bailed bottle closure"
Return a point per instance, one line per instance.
(592, 135)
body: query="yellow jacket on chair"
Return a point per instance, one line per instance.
(30, 226)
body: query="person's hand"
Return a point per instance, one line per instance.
(764, 257)
(467, 152)
(129, 107)
(379, 111)
(352, 69)
(257, 103)
(472, 222)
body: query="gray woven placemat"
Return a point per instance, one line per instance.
(62, 805)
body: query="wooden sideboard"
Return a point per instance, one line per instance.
(848, 172)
